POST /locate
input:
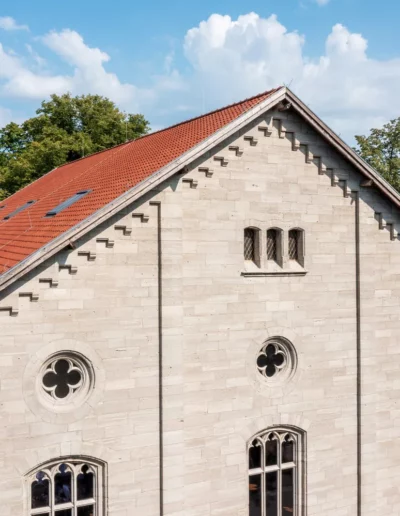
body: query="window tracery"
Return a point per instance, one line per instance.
(69, 488)
(276, 473)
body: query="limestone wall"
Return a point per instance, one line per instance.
(102, 298)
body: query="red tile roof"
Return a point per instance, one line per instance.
(107, 174)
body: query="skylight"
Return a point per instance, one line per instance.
(21, 208)
(67, 203)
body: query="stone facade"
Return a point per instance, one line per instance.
(104, 300)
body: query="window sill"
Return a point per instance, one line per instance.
(274, 273)
(291, 268)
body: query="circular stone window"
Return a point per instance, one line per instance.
(277, 360)
(65, 380)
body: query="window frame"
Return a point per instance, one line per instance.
(278, 235)
(300, 245)
(256, 260)
(75, 463)
(298, 465)
(67, 203)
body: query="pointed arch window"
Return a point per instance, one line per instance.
(72, 487)
(276, 473)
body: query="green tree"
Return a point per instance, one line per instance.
(381, 149)
(65, 128)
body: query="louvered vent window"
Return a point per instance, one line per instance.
(249, 244)
(294, 243)
(272, 245)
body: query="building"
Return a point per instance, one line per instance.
(201, 322)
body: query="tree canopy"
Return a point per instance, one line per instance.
(381, 149)
(65, 128)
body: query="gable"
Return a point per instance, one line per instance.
(123, 174)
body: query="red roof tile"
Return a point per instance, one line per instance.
(107, 174)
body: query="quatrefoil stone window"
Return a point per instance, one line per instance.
(276, 360)
(62, 378)
(271, 360)
(66, 379)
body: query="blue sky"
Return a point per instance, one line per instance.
(172, 60)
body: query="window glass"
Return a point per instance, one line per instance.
(276, 487)
(255, 495)
(72, 488)
(249, 244)
(271, 493)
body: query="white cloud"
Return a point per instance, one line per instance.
(8, 23)
(229, 59)
(88, 74)
(236, 58)
(322, 2)
(20, 81)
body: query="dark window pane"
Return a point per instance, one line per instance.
(43, 514)
(293, 244)
(62, 485)
(272, 240)
(40, 492)
(62, 390)
(287, 492)
(249, 244)
(64, 512)
(85, 484)
(287, 450)
(88, 510)
(271, 494)
(271, 452)
(255, 497)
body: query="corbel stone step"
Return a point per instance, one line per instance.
(141, 216)
(223, 161)
(367, 183)
(208, 171)
(192, 182)
(124, 228)
(107, 241)
(266, 128)
(295, 142)
(251, 139)
(90, 255)
(238, 150)
(53, 283)
(385, 224)
(31, 295)
(72, 269)
(342, 182)
(10, 309)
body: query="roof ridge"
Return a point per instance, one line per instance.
(268, 92)
(128, 142)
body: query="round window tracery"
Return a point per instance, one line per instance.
(65, 380)
(62, 378)
(276, 360)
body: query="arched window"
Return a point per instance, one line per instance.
(70, 487)
(274, 245)
(251, 247)
(296, 245)
(276, 473)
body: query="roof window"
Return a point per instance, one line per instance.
(67, 203)
(18, 210)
